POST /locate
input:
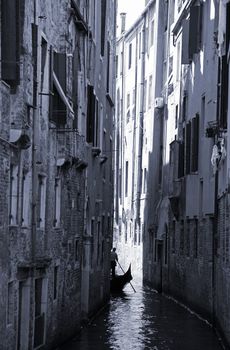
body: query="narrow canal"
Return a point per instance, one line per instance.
(145, 320)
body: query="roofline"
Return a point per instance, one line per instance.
(138, 20)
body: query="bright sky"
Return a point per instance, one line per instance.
(133, 8)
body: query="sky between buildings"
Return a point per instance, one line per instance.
(133, 8)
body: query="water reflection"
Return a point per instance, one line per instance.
(145, 320)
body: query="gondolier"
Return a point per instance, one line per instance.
(113, 261)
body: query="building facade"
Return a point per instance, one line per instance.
(180, 138)
(139, 76)
(189, 254)
(56, 103)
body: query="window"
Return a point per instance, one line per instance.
(43, 60)
(10, 41)
(202, 114)
(96, 139)
(39, 324)
(126, 178)
(90, 115)
(184, 106)
(10, 303)
(58, 104)
(130, 55)
(188, 148)
(41, 201)
(13, 194)
(57, 214)
(194, 29)
(192, 145)
(223, 87)
(191, 34)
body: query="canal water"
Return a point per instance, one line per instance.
(145, 320)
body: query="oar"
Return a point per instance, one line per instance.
(124, 272)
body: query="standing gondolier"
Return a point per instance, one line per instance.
(113, 261)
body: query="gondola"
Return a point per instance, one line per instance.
(118, 282)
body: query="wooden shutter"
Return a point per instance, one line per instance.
(194, 30)
(90, 114)
(10, 41)
(103, 22)
(185, 42)
(188, 147)
(51, 82)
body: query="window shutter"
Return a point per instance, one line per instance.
(10, 41)
(51, 82)
(103, 22)
(188, 147)
(185, 42)
(59, 66)
(194, 30)
(90, 114)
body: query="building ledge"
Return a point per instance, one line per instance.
(41, 262)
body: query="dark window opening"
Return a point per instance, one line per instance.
(10, 41)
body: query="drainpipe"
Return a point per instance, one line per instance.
(140, 146)
(35, 134)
